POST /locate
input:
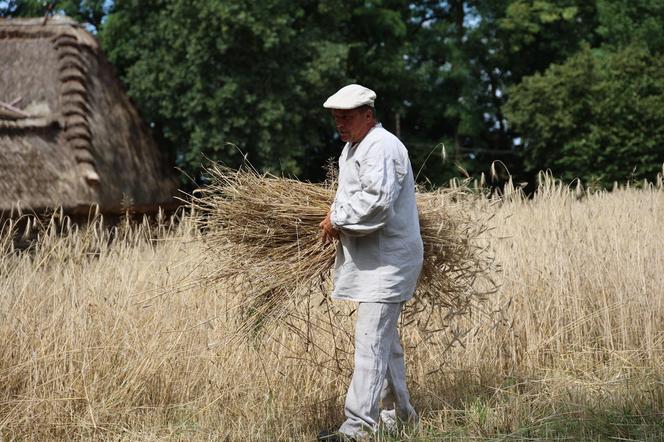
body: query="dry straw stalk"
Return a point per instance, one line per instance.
(265, 229)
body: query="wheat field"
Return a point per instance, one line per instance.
(113, 334)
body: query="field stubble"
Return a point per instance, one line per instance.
(124, 339)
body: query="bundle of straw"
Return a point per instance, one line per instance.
(266, 230)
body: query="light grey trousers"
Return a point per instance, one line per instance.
(379, 373)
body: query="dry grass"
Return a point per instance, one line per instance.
(263, 230)
(125, 339)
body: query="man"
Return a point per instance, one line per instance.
(378, 260)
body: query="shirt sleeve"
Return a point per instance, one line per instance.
(381, 175)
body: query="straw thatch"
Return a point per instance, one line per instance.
(265, 230)
(69, 136)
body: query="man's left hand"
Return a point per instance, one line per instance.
(329, 232)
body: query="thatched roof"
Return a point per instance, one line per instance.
(69, 135)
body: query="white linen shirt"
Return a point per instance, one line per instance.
(380, 253)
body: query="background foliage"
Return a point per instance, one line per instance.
(573, 86)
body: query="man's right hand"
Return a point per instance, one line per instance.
(329, 232)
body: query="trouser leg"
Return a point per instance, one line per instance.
(395, 394)
(375, 328)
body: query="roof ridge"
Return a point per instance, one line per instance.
(72, 77)
(33, 28)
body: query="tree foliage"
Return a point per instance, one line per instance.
(599, 115)
(90, 12)
(532, 83)
(234, 78)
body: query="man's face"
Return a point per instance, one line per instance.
(352, 124)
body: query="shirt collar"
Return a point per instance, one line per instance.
(357, 143)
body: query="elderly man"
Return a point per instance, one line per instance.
(379, 258)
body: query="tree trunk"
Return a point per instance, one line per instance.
(458, 14)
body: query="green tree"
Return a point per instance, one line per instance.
(209, 76)
(208, 73)
(23, 8)
(464, 56)
(637, 22)
(91, 12)
(255, 74)
(373, 36)
(598, 115)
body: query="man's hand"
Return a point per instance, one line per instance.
(329, 232)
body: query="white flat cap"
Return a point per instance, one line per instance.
(350, 97)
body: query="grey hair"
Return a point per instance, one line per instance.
(366, 107)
